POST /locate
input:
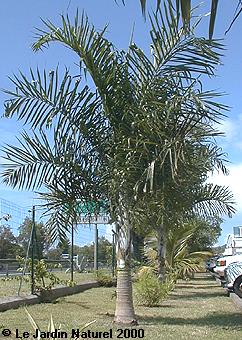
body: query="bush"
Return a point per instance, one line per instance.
(150, 291)
(44, 278)
(105, 279)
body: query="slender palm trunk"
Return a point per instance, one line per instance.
(161, 252)
(124, 313)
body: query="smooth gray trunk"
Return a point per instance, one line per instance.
(161, 252)
(124, 313)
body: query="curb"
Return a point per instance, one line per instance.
(13, 302)
(236, 300)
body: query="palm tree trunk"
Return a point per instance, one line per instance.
(124, 313)
(161, 252)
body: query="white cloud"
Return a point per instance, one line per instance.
(232, 139)
(229, 127)
(233, 181)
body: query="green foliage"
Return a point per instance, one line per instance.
(183, 256)
(43, 241)
(161, 101)
(105, 279)
(180, 261)
(149, 289)
(9, 246)
(207, 232)
(51, 326)
(44, 279)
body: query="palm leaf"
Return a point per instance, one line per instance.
(95, 52)
(213, 199)
(40, 99)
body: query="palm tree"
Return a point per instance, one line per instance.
(180, 262)
(111, 142)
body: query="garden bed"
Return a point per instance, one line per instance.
(197, 309)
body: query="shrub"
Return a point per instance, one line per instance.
(105, 279)
(149, 290)
(44, 278)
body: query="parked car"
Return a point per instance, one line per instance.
(223, 263)
(211, 263)
(233, 278)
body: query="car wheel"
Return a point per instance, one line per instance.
(238, 286)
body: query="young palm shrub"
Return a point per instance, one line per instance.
(149, 290)
(52, 331)
(179, 263)
(179, 260)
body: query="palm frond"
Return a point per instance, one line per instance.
(96, 53)
(41, 98)
(213, 199)
(30, 164)
(184, 6)
(178, 51)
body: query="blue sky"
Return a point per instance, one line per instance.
(17, 22)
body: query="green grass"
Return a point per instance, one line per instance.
(9, 285)
(197, 309)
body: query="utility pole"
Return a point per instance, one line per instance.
(32, 250)
(96, 248)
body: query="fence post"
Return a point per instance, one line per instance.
(32, 250)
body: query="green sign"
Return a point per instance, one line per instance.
(90, 208)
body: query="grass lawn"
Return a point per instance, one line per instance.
(10, 285)
(197, 309)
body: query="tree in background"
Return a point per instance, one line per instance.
(9, 247)
(207, 233)
(104, 251)
(43, 241)
(86, 251)
(219, 249)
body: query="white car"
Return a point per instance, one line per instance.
(223, 262)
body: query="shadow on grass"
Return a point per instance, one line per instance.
(76, 303)
(223, 320)
(197, 295)
(159, 306)
(195, 286)
(198, 279)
